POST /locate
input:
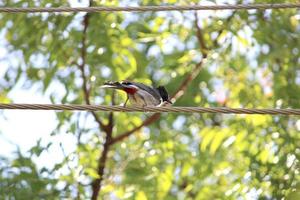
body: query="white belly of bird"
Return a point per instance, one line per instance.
(143, 98)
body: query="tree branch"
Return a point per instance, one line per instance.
(179, 92)
(96, 184)
(147, 122)
(200, 38)
(85, 88)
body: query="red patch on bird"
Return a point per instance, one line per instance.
(130, 90)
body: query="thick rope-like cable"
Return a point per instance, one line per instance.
(150, 8)
(223, 110)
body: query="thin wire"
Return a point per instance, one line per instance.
(223, 110)
(150, 8)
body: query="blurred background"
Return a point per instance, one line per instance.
(252, 60)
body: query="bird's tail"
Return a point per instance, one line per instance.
(164, 94)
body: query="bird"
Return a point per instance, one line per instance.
(140, 94)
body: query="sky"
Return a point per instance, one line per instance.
(21, 129)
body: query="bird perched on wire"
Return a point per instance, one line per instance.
(140, 94)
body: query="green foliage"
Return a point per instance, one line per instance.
(20, 179)
(253, 61)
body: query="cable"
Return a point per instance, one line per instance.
(223, 110)
(150, 8)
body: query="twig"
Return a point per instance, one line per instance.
(66, 158)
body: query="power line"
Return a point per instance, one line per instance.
(223, 110)
(151, 8)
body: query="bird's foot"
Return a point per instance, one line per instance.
(144, 108)
(164, 103)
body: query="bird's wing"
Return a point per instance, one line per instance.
(150, 90)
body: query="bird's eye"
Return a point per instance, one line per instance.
(126, 83)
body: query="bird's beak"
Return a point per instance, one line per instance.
(113, 85)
